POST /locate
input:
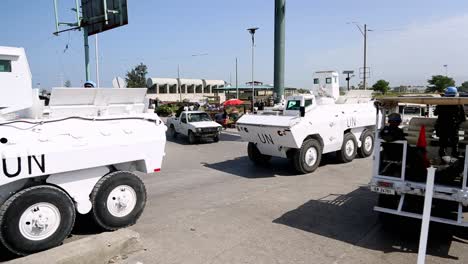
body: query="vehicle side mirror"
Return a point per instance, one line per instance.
(302, 111)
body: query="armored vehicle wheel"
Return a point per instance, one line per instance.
(36, 219)
(367, 144)
(308, 157)
(255, 155)
(192, 138)
(118, 200)
(216, 138)
(172, 131)
(348, 149)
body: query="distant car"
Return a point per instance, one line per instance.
(195, 125)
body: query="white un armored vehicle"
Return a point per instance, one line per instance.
(78, 155)
(313, 124)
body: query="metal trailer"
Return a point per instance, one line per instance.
(436, 196)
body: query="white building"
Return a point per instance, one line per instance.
(175, 89)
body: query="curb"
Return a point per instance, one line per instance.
(94, 249)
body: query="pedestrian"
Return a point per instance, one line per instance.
(449, 118)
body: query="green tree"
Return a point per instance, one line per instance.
(67, 83)
(438, 83)
(463, 87)
(136, 78)
(381, 86)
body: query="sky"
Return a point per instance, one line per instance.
(409, 42)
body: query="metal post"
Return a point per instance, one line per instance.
(347, 79)
(426, 218)
(180, 86)
(97, 61)
(280, 10)
(237, 87)
(56, 16)
(365, 55)
(86, 50)
(78, 19)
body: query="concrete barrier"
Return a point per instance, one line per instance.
(93, 249)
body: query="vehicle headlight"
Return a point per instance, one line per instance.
(198, 129)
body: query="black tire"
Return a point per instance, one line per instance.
(299, 158)
(103, 190)
(11, 212)
(216, 138)
(342, 154)
(255, 155)
(172, 131)
(362, 151)
(192, 138)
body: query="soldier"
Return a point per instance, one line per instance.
(392, 132)
(449, 118)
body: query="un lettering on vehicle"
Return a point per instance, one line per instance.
(266, 138)
(14, 167)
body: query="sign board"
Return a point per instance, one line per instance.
(102, 15)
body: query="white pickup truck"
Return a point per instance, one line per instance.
(195, 125)
(308, 128)
(77, 156)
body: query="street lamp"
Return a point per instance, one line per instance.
(252, 32)
(446, 69)
(364, 34)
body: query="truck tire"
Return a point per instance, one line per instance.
(348, 149)
(172, 131)
(256, 156)
(192, 138)
(367, 144)
(216, 138)
(36, 219)
(308, 157)
(118, 200)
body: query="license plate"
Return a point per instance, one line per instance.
(382, 190)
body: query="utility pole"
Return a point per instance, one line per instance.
(97, 62)
(280, 17)
(446, 70)
(237, 86)
(365, 56)
(178, 83)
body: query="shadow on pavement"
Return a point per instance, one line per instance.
(243, 167)
(350, 218)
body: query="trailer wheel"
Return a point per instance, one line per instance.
(118, 200)
(308, 157)
(367, 144)
(172, 131)
(255, 155)
(192, 138)
(348, 149)
(36, 219)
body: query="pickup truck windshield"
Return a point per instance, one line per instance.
(198, 117)
(293, 105)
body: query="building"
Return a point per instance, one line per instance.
(264, 92)
(193, 90)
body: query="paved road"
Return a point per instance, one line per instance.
(211, 205)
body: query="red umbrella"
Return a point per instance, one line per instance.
(233, 102)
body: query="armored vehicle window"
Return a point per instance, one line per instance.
(328, 80)
(316, 81)
(5, 66)
(293, 105)
(308, 102)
